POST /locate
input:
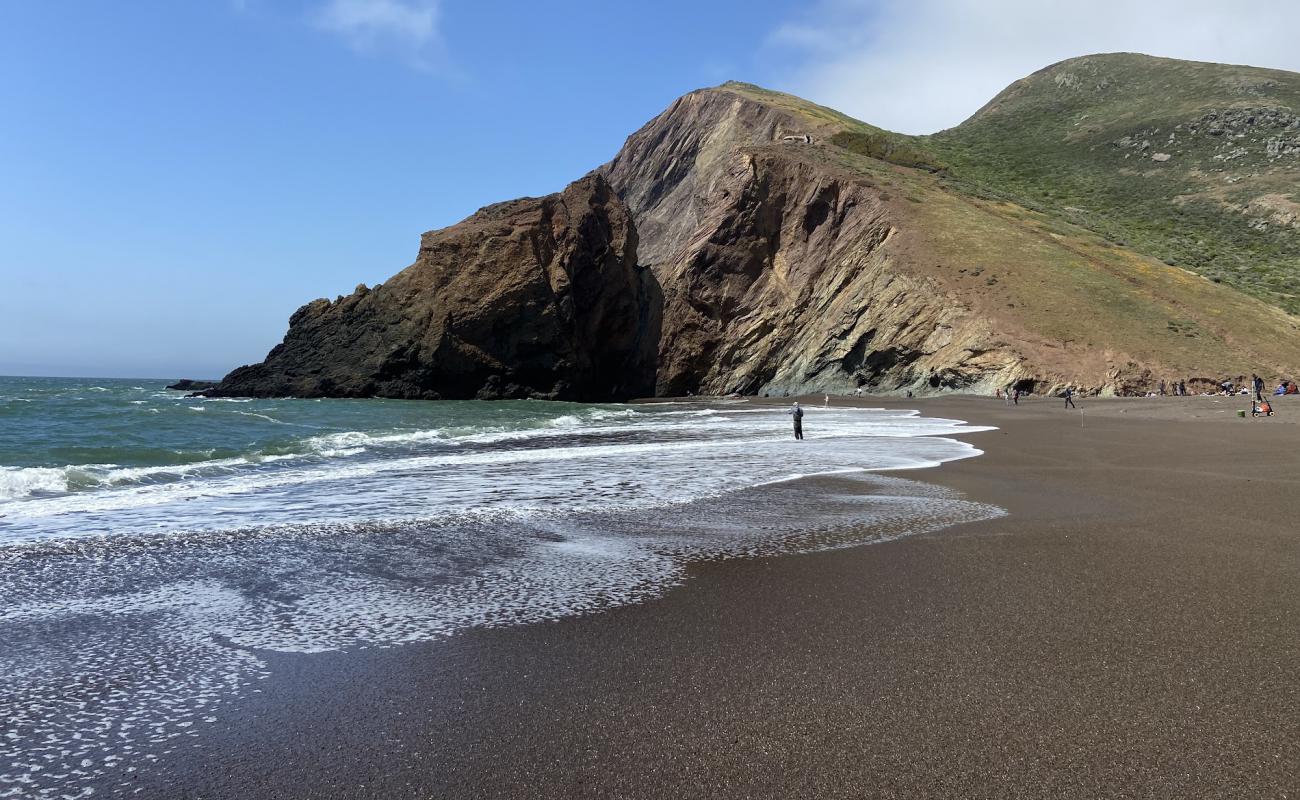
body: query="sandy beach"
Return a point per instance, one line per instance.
(1131, 628)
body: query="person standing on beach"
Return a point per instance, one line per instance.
(1182, 388)
(1069, 397)
(797, 412)
(1258, 384)
(1162, 388)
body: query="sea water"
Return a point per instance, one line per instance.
(155, 547)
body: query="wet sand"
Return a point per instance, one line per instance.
(1130, 629)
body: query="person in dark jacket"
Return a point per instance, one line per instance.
(797, 412)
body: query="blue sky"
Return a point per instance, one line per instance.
(177, 177)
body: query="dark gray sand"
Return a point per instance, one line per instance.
(1131, 629)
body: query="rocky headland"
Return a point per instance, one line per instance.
(533, 298)
(747, 241)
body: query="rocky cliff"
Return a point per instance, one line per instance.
(786, 248)
(529, 298)
(778, 267)
(798, 252)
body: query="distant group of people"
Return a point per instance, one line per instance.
(1239, 387)
(1012, 393)
(1176, 388)
(1228, 387)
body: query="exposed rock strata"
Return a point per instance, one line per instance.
(778, 270)
(529, 298)
(790, 260)
(790, 264)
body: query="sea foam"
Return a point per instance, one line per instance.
(158, 597)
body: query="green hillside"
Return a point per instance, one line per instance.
(1195, 164)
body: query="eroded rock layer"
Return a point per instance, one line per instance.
(778, 268)
(788, 248)
(539, 297)
(799, 250)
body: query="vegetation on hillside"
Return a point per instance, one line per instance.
(1058, 201)
(1195, 164)
(845, 131)
(1072, 290)
(887, 147)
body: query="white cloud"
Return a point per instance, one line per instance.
(406, 29)
(918, 66)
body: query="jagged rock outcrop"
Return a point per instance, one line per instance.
(794, 260)
(538, 297)
(778, 269)
(191, 385)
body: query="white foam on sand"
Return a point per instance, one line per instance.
(619, 463)
(124, 649)
(123, 645)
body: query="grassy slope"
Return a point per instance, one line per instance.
(1076, 141)
(1067, 289)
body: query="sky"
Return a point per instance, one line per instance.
(177, 177)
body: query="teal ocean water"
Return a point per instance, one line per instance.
(73, 435)
(155, 548)
(99, 457)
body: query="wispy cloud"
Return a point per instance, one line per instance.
(404, 29)
(921, 65)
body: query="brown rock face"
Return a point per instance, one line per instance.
(798, 252)
(779, 269)
(787, 248)
(529, 298)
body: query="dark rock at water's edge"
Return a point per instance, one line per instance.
(531, 298)
(188, 385)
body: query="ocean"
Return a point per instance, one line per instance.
(154, 548)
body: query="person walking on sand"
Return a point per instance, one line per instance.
(1069, 397)
(1258, 384)
(797, 412)
(1182, 388)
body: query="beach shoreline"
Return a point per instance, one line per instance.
(1128, 629)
